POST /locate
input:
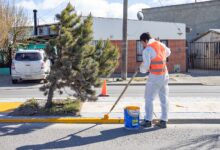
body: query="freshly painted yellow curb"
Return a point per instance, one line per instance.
(63, 120)
(8, 106)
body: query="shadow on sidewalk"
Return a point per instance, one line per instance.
(74, 140)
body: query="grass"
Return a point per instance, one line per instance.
(64, 107)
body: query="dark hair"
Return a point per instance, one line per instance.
(145, 37)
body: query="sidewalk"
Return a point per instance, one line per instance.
(142, 81)
(182, 110)
(193, 77)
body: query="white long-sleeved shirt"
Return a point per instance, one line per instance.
(149, 54)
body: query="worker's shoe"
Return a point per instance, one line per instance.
(146, 124)
(161, 124)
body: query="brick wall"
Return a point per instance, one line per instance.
(178, 56)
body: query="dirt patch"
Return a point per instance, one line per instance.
(33, 107)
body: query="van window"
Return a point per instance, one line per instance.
(28, 57)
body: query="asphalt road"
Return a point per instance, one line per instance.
(32, 90)
(108, 137)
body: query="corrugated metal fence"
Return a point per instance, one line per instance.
(204, 55)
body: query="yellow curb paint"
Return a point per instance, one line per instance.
(8, 106)
(63, 120)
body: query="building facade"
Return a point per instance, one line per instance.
(205, 51)
(168, 33)
(200, 16)
(109, 28)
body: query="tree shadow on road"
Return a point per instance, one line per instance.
(5, 81)
(208, 142)
(74, 140)
(7, 129)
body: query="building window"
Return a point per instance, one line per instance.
(40, 31)
(48, 30)
(217, 48)
(140, 49)
(95, 42)
(164, 42)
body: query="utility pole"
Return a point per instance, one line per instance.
(35, 22)
(125, 42)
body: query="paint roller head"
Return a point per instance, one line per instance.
(106, 117)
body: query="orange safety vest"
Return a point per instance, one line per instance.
(158, 64)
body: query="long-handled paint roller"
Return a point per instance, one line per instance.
(106, 116)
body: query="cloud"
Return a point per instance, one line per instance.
(102, 8)
(27, 4)
(133, 9)
(98, 8)
(45, 4)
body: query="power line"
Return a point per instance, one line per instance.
(160, 2)
(42, 19)
(51, 11)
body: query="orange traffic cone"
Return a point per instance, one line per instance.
(104, 89)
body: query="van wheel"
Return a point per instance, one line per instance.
(45, 81)
(14, 81)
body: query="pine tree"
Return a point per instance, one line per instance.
(77, 63)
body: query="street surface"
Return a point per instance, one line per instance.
(32, 90)
(108, 137)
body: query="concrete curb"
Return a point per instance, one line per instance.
(142, 84)
(61, 120)
(96, 120)
(194, 121)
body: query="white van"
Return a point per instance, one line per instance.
(30, 65)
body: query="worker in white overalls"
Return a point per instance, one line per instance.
(154, 61)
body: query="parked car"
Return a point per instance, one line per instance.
(30, 65)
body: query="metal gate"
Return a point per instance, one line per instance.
(204, 55)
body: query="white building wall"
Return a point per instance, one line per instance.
(111, 28)
(105, 28)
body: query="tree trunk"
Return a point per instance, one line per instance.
(50, 95)
(10, 57)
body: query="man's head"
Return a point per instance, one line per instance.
(144, 38)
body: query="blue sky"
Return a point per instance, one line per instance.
(99, 8)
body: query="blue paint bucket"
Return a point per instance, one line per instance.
(132, 117)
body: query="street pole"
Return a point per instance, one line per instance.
(124, 43)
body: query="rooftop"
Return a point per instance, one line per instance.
(186, 4)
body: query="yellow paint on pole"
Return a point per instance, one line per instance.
(8, 106)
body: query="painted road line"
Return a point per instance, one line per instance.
(8, 106)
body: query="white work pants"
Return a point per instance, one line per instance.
(157, 85)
